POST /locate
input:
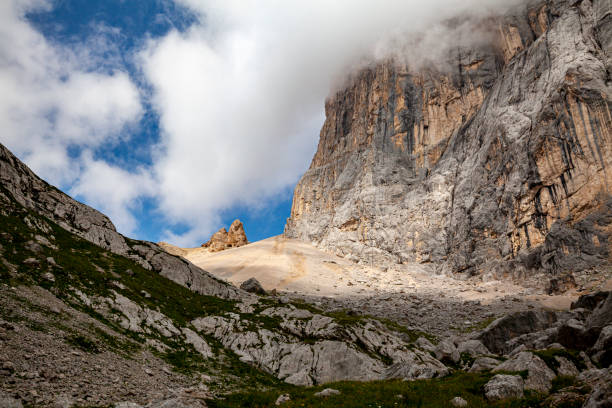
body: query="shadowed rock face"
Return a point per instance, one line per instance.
(500, 164)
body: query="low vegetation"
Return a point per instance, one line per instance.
(78, 265)
(380, 394)
(66, 264)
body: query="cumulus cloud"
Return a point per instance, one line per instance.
(114, 191)
(54, 101)
(240, 97)
(240, 94)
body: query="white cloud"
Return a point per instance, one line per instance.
(51, 100)
(114, 191)
(240, 94)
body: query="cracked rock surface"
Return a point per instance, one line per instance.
(498, 166)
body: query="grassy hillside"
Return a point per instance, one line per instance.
(34, 251)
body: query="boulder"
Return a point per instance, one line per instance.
(483, 364)
(566, 367)
(415, 370)
(602, 350)
(458, 402)
(517, 350)
(574, 335)
(473, 347)
(197, 342)
(446, 351)
(31, 262)
(539, 376)
(579, 314)
(602, 314)
(252, 285)
(589, 301)
(300, 378)
(595, 376)
(495, 336)
(48, 276)
(601, 397)
(586, 360)
(504, 386)
(557, 346)
(282, 399)
(327, 392)
(536, 340)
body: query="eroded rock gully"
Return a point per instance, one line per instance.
(498, 165)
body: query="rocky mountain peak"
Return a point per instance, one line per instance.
(495, 166)
(498, 166)
(223, 239)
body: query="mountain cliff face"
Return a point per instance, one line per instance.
(499, 163)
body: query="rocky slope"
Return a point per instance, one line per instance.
(70, 281)
(20, 184)
(114, 321)
(498, 165)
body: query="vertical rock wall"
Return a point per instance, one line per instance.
(498, 163)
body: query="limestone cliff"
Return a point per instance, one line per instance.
(499, 164)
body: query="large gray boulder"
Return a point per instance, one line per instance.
(446, 351)
(566, 367)
(484, 364)
(602, 350)
(495, 336)
(539, 375)
(535, 340)
(574, 335)
(504, 386)
(602, 314)
(252, 285)
(473, 348)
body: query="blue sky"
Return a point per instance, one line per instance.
(174, 117)
(138, 21)
(114, 32)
